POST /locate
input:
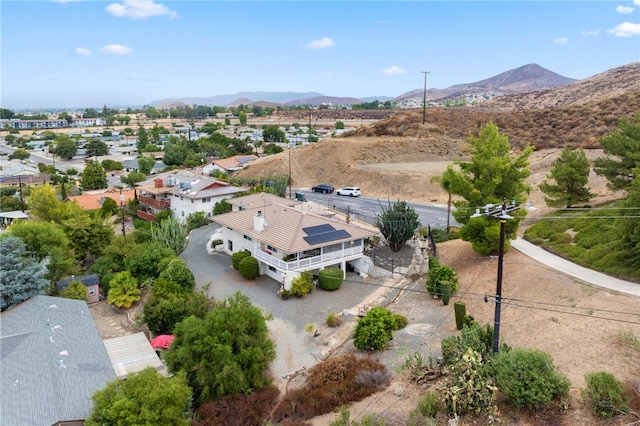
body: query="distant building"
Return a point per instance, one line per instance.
(228, 165)
(183, 193)
(91, 282)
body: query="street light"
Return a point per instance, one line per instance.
(501, 211)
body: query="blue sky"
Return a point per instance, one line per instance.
(68, 53)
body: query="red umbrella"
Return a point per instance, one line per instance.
(162, 341)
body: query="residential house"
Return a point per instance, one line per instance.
(91, 282)
(93, 200)
(183, 193)
(228, 165)
(52, 360)
(288, 241)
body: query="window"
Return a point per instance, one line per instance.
(206, 200)
(183, 213)
(272, 269)
(273, 249)
(230, 245)
(92, 291)
(248, 238)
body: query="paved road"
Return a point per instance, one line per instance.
(365, 208)
(296, 348)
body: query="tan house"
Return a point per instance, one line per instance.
(288, 241)
(228, 165)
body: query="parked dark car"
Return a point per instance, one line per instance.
(324, 188)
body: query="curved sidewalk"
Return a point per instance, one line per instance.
(587, 275)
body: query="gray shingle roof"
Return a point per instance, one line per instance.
(51, 361)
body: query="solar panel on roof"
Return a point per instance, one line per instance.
(323, 237)
(318, 229)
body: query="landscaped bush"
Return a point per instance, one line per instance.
(469, 389)
(335, 382)
(438, 273)
(472, 336)
(375, 329)
(401, 321)
(249, 268)
(237, 257)
(239, 409)
(301, 285)
(604, 395)
(330, 278)
(333, 319)
(428, 405)
(528, 377)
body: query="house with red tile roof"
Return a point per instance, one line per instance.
(93, 200)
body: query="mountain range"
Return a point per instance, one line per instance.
(524, 79)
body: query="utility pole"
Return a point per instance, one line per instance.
(500, 211)
(424, 98)
(289, 172)
(20, 189)
(122, 210)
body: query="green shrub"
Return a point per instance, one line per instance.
(401, 321)
(333, 319)
(472, 336)
(301, 285)
(438, 273)
(428, 405)
(237, 257)
(330, 279)
(375, 329)
(528, 377)
(469, 389)
(249, 268)
(604, 395)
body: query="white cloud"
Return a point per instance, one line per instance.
(626, 29)
(81, 51)
(561, 40)
(116, 49)
(393, 70)
(140, 9)
(636, 2)
(624, 9)
(591, 32)
(322, 43)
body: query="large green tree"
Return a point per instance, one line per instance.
(94, 176)
(19, 154)
(20, 276)
(65, 147)
(46, 240)
(397, 223)
(145, 164)
(226, 353)
(492, 176)
(145, 398)
(622, 154)
(96, 148)
(143, 139)
(571, 175)
(272, 133)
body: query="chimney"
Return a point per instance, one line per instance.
(258, 222)
(157, 183)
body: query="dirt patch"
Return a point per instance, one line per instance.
(583, 327)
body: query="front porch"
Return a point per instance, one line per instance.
(303, 262)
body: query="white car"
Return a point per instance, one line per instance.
(351, 191)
